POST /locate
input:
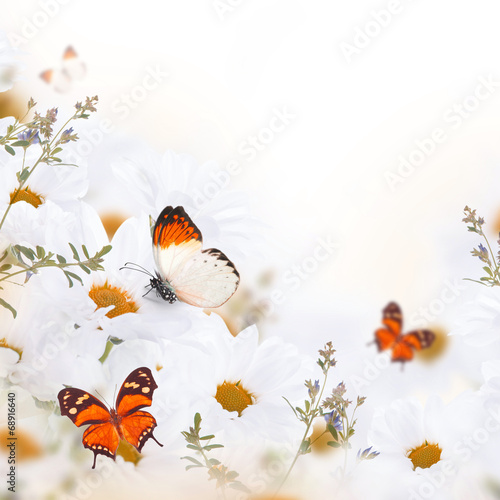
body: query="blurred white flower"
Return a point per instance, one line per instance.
(8, 64)
(222, 215)
(479, 319)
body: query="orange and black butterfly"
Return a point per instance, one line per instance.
(108, 427)
(390, 337)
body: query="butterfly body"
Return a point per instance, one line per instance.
(391, 337)
(163, 289)
(203, 278)
(108, 427)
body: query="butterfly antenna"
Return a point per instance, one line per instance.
(141, 269)
(102, 397)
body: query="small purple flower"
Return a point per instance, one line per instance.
(333, 418)
(29, 135)
(366, 455)
(314, 389)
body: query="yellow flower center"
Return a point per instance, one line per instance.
(425, 455)
(128, 452)
(27, 447)
(3, 343)
(233, 397)
(107, 295)
(26, 195)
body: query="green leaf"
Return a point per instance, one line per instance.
(24, 174)
(236, 485)
(231, 476)
(115, 340)
(106, 249)
(4, 255)
(10, 150)
(20, 144)
(307, 405)
(488, 270)
(5, 267)
(9, 307)
(40, 252)
(305, 446)
(74, 276)
(27, 252)
(75, 253)
(333, 431)
(212, 446)
(191, 459)
(213, 461)
(61, 259)
(57, 150)
(85, 252)
(334, 444)
(197, 421)
(84, 268)
(206, 438)
(193, 466)
(193, 447)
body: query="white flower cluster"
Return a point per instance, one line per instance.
(92, 335)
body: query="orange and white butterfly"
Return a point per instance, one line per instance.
(108, 427)
(402, 345)
(72, 69)
(202, 278)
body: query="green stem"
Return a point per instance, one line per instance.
(43, 263)
(313, 415)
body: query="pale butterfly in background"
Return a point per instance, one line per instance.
(72, 69)
(202, 278)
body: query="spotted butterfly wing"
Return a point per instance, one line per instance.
(203, 278)
(393, 321)
(106, 427)
(390, 337)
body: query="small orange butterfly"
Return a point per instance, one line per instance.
(108, 427)
(390, 337)
(72, 69)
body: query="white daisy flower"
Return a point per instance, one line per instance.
(238, 384)
(49, 198)
(222, 215)
(479, 319)
(8, 64)
(116, 301)
(428, 448)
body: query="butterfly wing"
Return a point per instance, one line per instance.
(138, 427)
(392, 318)
(201, 278)
(83, 409)
(102, 439)
(175, 240)
(404, 349)
(73, 67)
(136, 392)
